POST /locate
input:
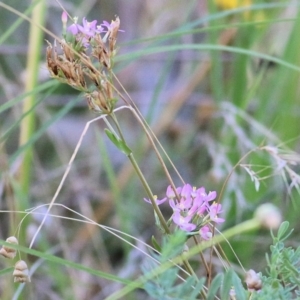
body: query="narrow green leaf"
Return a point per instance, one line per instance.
(7, 105)
(155, 243)
(6, 270)
(66, 263)
(282, 229)
(198, 288)
(124, 148)
(216, 283)
(227, 284)
(112, 137)
(141, 53)
(63, 111)
(238, 287)
(121, 145)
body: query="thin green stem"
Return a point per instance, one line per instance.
(28, 123)
(143, 180)
(149, 193)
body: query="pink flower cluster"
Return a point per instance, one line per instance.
(192, 209)
(88, 30)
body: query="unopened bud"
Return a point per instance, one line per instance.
(269, 216)
(64, 19)
(253, 281)
(8, 252)
(21, 272)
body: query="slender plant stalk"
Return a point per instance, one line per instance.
(28, 123)
(143, 180)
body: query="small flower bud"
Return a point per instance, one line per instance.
(64, 17)
(268, 215)
(21, 272)
(253, 281)
(7, 251)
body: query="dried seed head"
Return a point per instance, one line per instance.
(107, 89)
(100, 52)
(7, 251)
(52, 58)
(80, 76)
(21, 272)
(74, 63)
(253, 281)
(65, 67)
(97, 101)
(101, 100)
(92, 104)
(69, 53)
(114, 28)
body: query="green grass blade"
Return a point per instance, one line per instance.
(66, 263)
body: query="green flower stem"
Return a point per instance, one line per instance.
(249, 225)
(28, 123)
(149, 193)
(143, 180)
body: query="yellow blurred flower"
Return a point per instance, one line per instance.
(257, 16)
(230, 4)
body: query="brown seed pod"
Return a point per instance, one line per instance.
(21, 272)
(8, 252)
(253, 281)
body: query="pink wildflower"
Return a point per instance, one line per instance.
(205, 233)
(158, 202)
(85, 32)
(110, 26)
(215, 209)
(192, 208)
(183, 222)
